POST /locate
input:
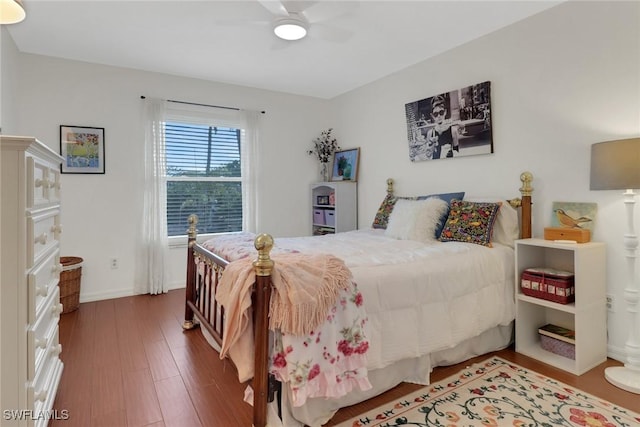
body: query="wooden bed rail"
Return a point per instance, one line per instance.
(262, 295)
(204, 270)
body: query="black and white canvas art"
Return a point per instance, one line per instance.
(451, 124)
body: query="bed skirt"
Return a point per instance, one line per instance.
(318, 411)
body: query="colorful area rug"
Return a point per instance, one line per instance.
(497, 393)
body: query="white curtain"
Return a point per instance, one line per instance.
(155, 242)
(250, 170)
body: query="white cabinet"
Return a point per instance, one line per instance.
(587, 315)
(334, 207)
(30, 365)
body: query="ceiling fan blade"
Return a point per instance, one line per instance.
(330, 33)
(324, 10)
(275, 7)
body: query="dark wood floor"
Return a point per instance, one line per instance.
(129, 363)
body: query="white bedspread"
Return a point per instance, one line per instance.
(420, 298)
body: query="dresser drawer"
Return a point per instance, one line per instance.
(43, 184)
(43, 233)
(53, 348)
(41, 392)
(37, 183)
(42, 280)
(43, 334)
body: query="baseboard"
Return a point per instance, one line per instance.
(119, 293)
(174, 286)
(99, 296)
(616, 353)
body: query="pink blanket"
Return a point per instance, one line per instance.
(317, 312)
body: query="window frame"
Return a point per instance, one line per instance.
(185, 118)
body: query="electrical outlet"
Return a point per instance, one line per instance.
(114, 263)
(610, 304)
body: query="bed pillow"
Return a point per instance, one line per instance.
(416, 219)
(506, 229)
(386, 207)
(384, 211)
(470, 222)
(447, 197)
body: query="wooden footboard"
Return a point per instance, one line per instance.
(204, 270)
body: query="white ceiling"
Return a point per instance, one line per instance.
(350, 43)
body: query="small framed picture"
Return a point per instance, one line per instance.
(345, 165)
(82, 148)
(322, 200)
(574, 215)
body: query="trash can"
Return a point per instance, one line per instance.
(70, 283)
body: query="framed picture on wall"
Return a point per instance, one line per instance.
(451, 124)
(345, 165)
(82, 148)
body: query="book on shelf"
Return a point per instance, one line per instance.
(559, 333)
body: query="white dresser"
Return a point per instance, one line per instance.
(30, 269)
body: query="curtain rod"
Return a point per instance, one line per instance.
(201, 105)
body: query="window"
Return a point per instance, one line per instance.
(204, 177)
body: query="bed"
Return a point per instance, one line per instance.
(428, 302)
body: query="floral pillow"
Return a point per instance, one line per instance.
(384, 211)
(470, 222)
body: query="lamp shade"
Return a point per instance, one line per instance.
(615, 165)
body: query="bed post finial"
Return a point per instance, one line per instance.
(264, 263)
(525, 210)
(389, 186)
(192, 231)
(526, 178)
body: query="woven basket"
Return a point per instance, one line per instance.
(70, 283)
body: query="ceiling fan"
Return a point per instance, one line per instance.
(293, 19)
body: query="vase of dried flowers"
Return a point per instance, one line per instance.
(323, 147)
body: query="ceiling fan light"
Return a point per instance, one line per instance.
(11, 12)
(290, 29)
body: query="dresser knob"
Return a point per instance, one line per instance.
(56, 309)
(42, 239)
(43, 183)
(53, 184)
(42, 291)
(40, 395)
(56, 228)
(56, 349)
(41, 342)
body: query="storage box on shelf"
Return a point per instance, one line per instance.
(586, 315)
(558, 340)
(548, 283)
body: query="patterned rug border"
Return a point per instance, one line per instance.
(391, 414)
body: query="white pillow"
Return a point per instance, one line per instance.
(506, 229)
(416, 219)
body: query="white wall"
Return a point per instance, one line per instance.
(560, 81)
(101, 214)
(8, 81)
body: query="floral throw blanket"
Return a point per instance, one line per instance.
(329, 361)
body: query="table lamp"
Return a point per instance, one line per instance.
(615, 165)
